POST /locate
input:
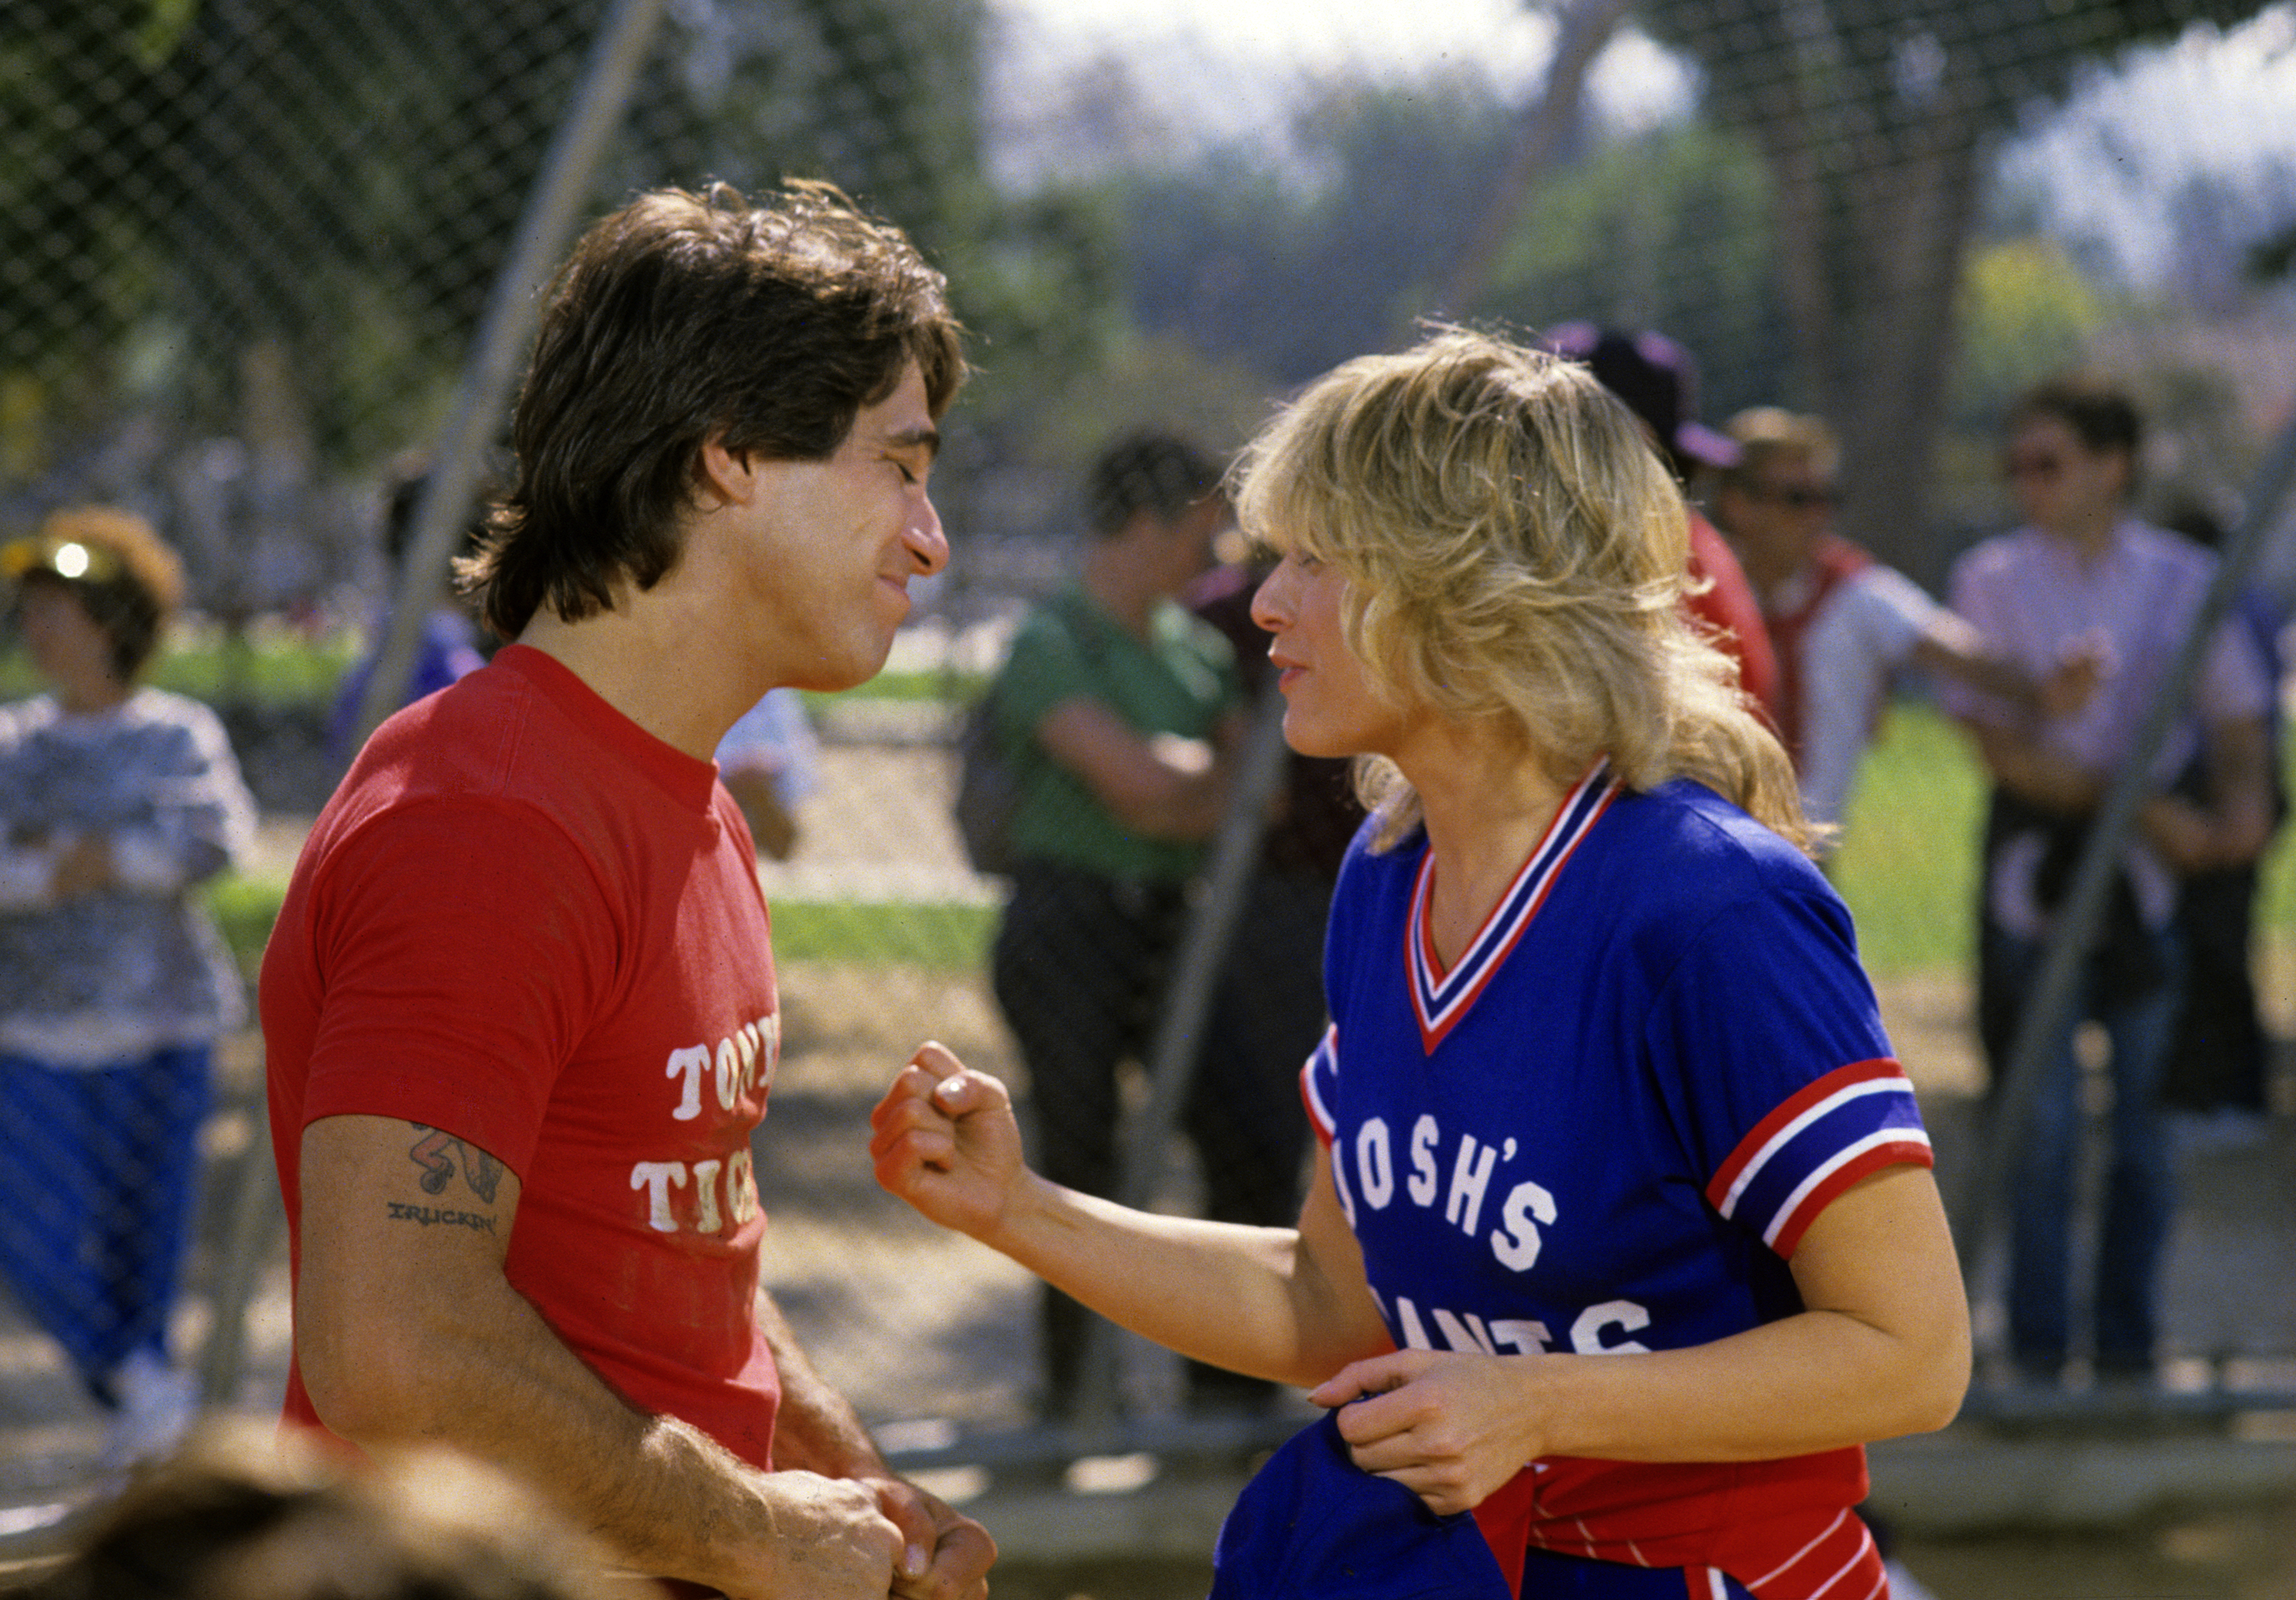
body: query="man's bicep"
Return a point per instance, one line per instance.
(394, 1216)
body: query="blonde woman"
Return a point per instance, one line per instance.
(1621, 1233)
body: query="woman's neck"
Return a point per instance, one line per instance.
(1486, 800)
(2089, 532)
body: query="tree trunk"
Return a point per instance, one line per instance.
(1790, 145)
(1583, 28)
(1913, 223)
(1875, 192)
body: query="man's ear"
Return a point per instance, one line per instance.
(724, 477)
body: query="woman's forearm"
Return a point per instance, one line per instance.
(1818, 1381)
(1253, 1300)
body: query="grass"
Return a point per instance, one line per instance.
(244, 907)
(265, 666)
(939, 937)
(1907, 864)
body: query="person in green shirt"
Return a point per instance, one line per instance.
(1118, 708)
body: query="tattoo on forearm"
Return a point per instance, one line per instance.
(481, 1170)
(431, 1216)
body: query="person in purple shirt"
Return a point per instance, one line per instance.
(2083, 574)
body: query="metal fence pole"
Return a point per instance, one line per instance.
(2045, 1018)
(624, 40)
(250, 1223)
(1187, 1002)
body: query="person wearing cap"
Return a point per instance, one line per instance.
(1658, 379)
(117, 801)
(1841, 624)
(1621, 1235)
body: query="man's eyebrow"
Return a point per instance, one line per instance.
(924, 437)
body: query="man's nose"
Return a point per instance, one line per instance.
(926, 540)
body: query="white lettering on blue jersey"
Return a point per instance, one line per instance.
(1423, 1137)
(1374, 1168)
(1470, 1175)
(1515, 1241)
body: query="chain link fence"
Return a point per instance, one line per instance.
(250, 253)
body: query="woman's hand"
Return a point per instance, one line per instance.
(1450, 1428)
(943, 1139)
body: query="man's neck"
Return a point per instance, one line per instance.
(1767, 577)
(650, 664)
(1118, 587)
(93, 697)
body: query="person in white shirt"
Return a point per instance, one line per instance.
(1842, 624)
(770, 761)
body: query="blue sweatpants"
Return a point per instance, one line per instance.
(98, 1173)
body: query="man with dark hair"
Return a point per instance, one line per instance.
(668, 336)
(2082, 570)
(1118, 707)
(520, 1006)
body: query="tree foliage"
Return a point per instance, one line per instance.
(332, 180)
(341, 179)
(1303, 266)
(1670, 230)
(1294, 269)
(1873, 116)
(248, 243)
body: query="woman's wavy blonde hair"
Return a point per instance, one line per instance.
(1513, 551)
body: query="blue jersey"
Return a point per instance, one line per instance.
(1605, 1129)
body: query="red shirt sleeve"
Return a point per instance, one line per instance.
(462, 950)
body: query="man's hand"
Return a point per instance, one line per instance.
(943, 1139)
(2079, 673)
(817, 1536)
(946, 1556)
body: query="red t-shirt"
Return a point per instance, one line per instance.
(527, 923)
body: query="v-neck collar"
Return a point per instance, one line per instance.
(1441, 998)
